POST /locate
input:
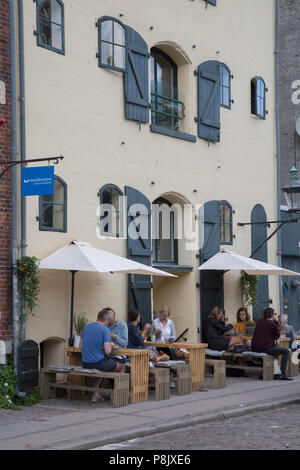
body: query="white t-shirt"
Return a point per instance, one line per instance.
(167, 331)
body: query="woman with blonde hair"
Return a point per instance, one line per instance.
(163, 328)
(215, 329)
(286, 329)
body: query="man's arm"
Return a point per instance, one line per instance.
(107, 348)
(122, 339)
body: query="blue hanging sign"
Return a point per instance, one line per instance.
(38, 181)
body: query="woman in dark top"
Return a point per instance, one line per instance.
(215, 329)
(135, 338)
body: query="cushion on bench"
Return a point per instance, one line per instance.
(211, 352)
(169, 363)
(254, 354)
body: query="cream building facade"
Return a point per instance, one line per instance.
(77, 65)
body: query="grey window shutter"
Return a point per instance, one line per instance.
(258, 235)
(139, 249)
(211, 244)
(209, 101)
(136, 85)
(211, 282)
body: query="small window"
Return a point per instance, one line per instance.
(111, 220)
(50, 25)
(258, 97)
(164, 243)
(225, 211)
(53, 208)
(112, 44)
(225, 85)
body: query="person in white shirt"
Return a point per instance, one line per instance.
(163, 328)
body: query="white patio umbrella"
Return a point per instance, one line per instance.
(82, 256)
(227, 261)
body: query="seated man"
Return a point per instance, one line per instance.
(95, 344)
(118, 330)
(265, 339)
(136, 338)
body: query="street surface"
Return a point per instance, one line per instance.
(276, 429)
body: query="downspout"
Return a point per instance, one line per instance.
(277, 108)
(22, 147)
(14, 236)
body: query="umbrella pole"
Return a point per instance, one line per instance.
(71, 339)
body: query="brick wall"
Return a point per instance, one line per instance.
(6, 331)
(289, 71)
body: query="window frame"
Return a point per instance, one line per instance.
(100, 194)
(154, 52)
(223, 224)
(174, 241)
(44, 228)
(222, 86)
(254, 97)
(38, 18)
(99, 25)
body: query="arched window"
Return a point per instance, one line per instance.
(50, 25)
(166, 108)
(112, 44)
(258, 97)
(225, 86)
(225, 211)
(53, 208)
(111, 213)
(164, 242)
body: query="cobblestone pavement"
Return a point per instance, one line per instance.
(276, 429)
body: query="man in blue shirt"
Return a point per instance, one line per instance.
(118, 330)
(95, 345)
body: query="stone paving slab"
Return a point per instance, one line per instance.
(77, 424)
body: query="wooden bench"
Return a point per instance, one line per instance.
(182, 378)
(120, 391)
(219, 372)
(267, 367)
(161, 378)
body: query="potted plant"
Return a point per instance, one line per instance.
(248, 286)
(250, 327)
(79, 322)
(29, 279)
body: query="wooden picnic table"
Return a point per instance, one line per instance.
(139, 370)
(283, 340)
(196, 359)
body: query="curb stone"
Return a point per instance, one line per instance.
(175, 425)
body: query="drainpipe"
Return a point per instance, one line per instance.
(22, 147)
(14, 189)
(279, 235)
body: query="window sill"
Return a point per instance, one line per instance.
(172, 267)
(173, 133)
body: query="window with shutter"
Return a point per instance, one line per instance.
(209, 101)
(112, 44)
(225, 211)
(258, 97)
(50, 25)
(53, 208)
(111, 214)
(225, 86)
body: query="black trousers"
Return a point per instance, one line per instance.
(275, 351)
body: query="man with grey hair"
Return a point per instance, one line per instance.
(96, 345)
